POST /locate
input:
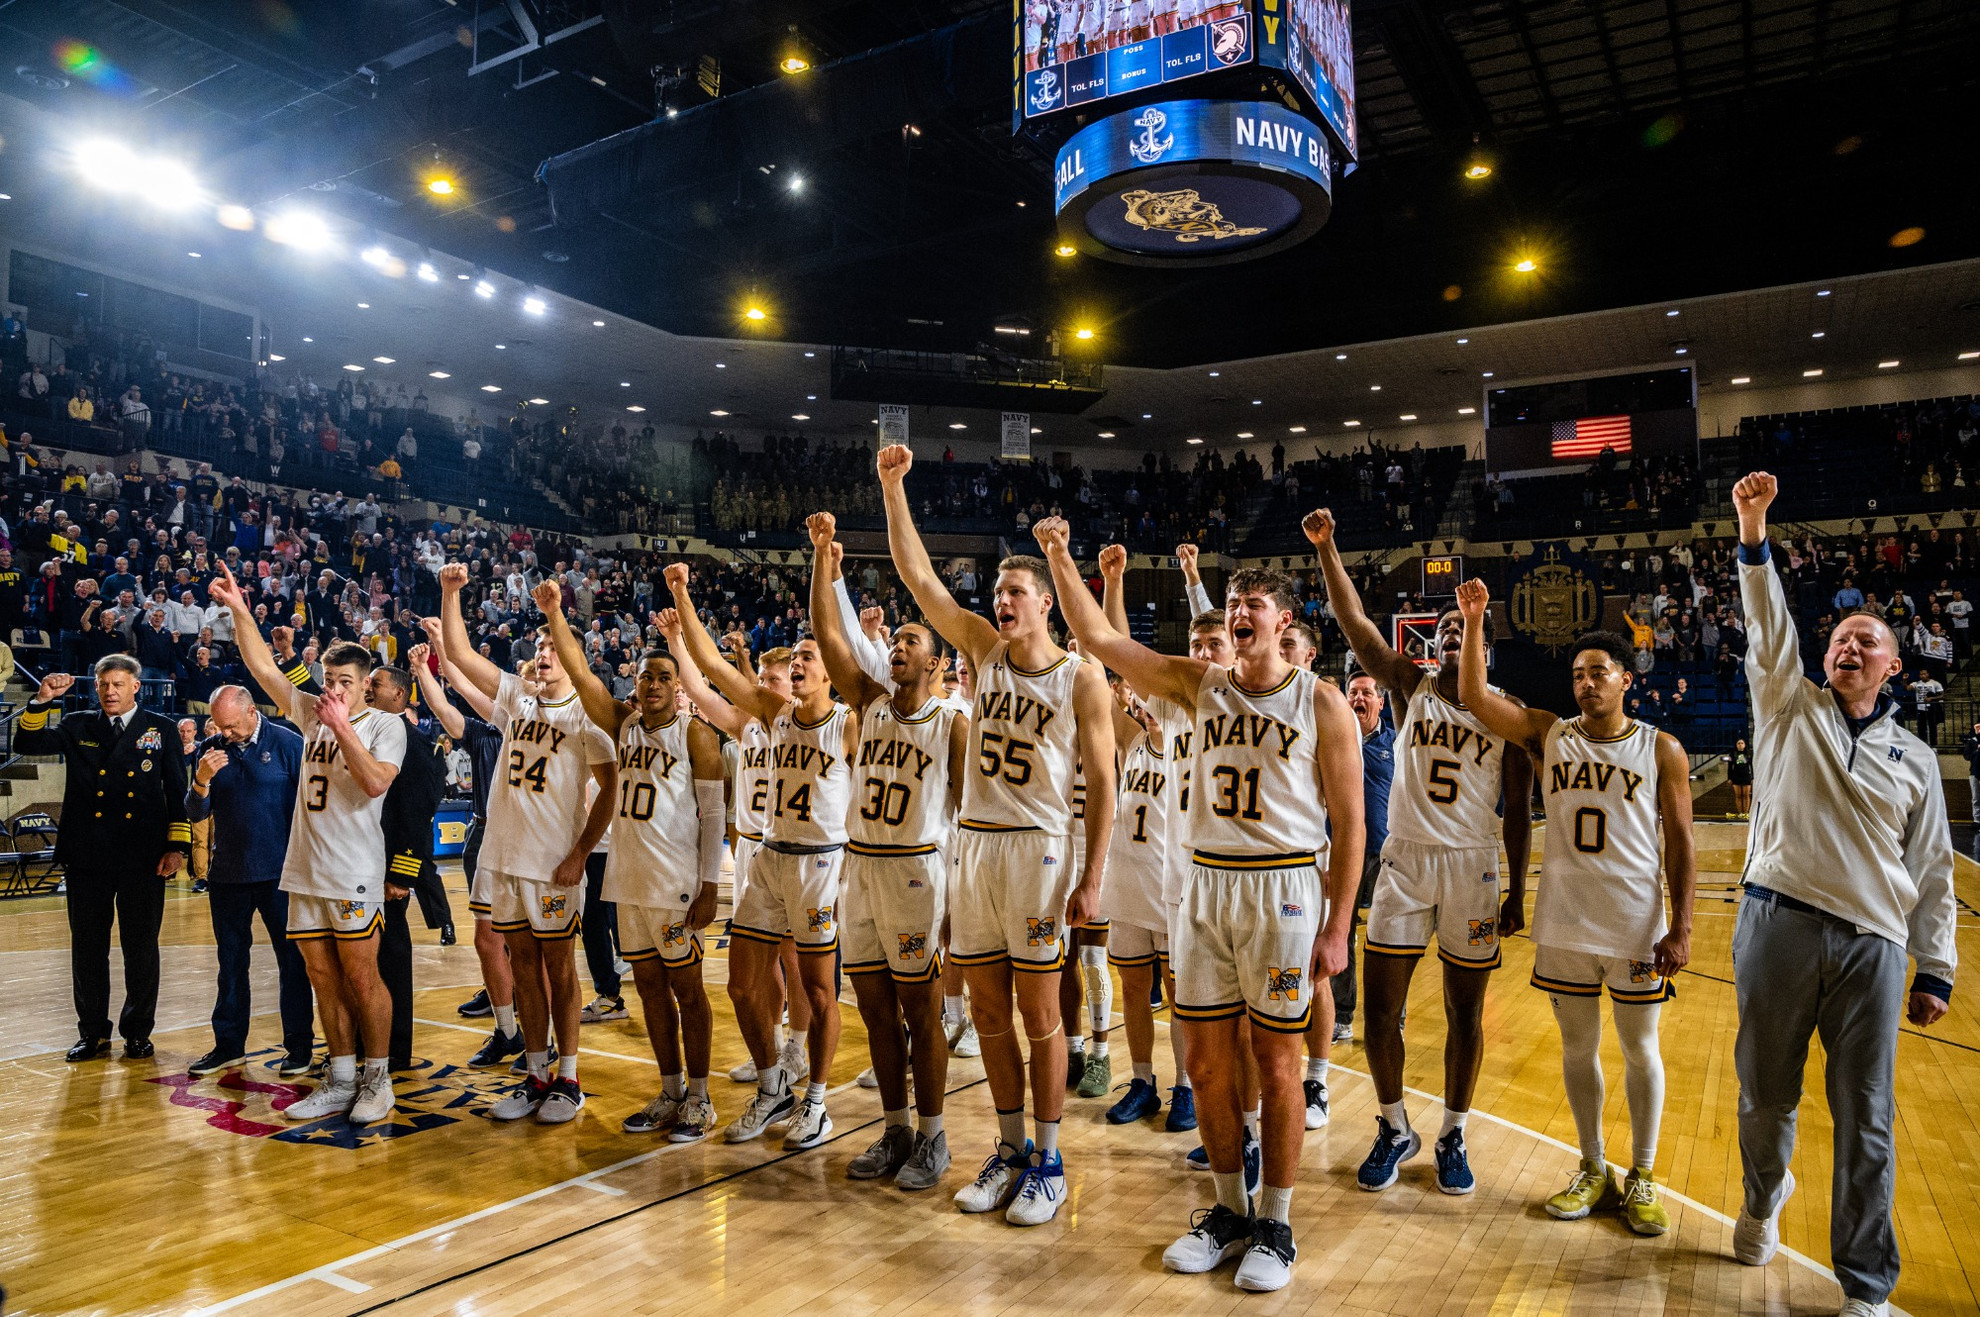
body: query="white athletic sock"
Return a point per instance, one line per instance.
(674, 1085)
(1230, 1191)
(1251, 1120)
(1176, 1055)
(1010, 1129)
(567, 1067)
(773, 1082)
(952, 1008)
(1145, 1072)
(1453, 1120)
(929, 1126)
(343, 1069)
(1099, 989)
(1397, 1115)
(538, 1063)
(374, 1068)
(1643, 1078)
(1316, 1068)
(1580, 1021)
(505, 1019)
(814, 1092)
(1099, 1047)
(896, 1117)
(1275, 1204)
(698, 1086)
(1075, 1044)
(1045, 1142)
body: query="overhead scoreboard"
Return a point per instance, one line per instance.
(1158, 169)
(1441, 574)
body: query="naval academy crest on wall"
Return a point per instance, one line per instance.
(1554, 603)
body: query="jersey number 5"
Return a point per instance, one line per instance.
(1443, 787)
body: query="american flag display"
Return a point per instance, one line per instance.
(1589, 436)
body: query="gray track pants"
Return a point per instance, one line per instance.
(1798, 973)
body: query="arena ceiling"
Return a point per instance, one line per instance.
(1641, 150)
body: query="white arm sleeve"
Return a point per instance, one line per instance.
(708, 798)
(869, 654)
(1773, 650)
(1199, 600)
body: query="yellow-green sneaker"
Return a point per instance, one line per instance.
(1643, 1208)
(1593, 1189)
(1097, 1079)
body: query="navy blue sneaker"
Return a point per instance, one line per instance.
(1197, 1160)
(1453, 1170)
(1182, 1110)
(1391, 1150)
(1254, 1165)
(1155, 994)
(498, 1049)
(1140, 1103)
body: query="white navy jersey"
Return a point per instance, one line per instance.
(1023, 742)
(337, 833)
(1601, 871)
(1449, 771)
(655, 859)
(1138, 850)
(752, 778)
(1178, 735)
(810, 780)
(901, 779)
(1255, 785)
(537, 802)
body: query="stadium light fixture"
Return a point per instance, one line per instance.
(1810, 374)
(428, 273)
(1742, 379)
(536, 306)
(1886, 365)
(793, 63)
(1066, 249)
(718, 412)
(1467, 411)
(238, 218)
(1525, 265)
(439, 375)
(1192, 440)
(304, 230)
(440, 186)
(491, 388)
(385, 361)
(482, 288)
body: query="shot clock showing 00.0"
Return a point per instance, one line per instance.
(1442, 573)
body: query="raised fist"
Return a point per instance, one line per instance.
(53, 687)
(549, 597)
(821, 526)
(1113, 561)
(1186, 559)
(669, 622)
(1472, 596)
(1052, 533)
(1753, 493)
(676, 576)
(893, 462)
(453, 577)
(1319, 527)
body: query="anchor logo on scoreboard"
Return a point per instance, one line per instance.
(1045, 91)
(1149, 146)
(1182, 213)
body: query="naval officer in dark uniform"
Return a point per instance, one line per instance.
(123, 833)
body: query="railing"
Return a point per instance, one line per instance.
(966, 368)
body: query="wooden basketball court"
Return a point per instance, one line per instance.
(128, 1187)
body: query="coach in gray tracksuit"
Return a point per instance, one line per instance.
(1848, 871)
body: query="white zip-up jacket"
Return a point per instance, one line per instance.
(1852, 825)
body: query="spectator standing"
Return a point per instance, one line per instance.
(1378, 771)
(1970, 748)
(243, 785)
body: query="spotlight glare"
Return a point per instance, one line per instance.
(1810, 374)
(1479, 169)
(1106, 434)
(491, 388)
(536, 306)
(1083, 334)
(1192, 440)
(799, 416)
(957, 425)
(304, 230)
(1886, 365)
(718, 412)
(483, 288)
(440, 187)
(793, 64)
(1968, 356)
(598, 324)
(635, 409)
(539, 402)
(428, 273)
(238, 218)
(1467, 411)
(276, 356)
(384, 361)
(439, 375)
(1066, 249)
(353, 366)
(1525, 265)
(1407, 416)
(1350, 424)
(754, 313)
(1742, 379)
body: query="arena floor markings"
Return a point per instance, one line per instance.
(446, 1211)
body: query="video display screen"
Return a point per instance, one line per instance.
(1077, 52)
(1319, 54)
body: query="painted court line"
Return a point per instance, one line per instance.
(328, 1272)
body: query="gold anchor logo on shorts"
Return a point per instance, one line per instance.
(1282, 984)
(914, 944)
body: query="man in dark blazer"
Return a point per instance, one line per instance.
(123, 833)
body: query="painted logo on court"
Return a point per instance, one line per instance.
(248, 1100)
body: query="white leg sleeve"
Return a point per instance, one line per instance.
(1643, 1077)
(1099, 988)
(1580, 1020)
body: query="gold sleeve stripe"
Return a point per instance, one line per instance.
(298, 674)
(178, 832)
(405, 864)
(34, 722)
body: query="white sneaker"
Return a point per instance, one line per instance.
(763, 1111)
(602, 1009)
(695, 1122)
(1216, 1234)
(1041, 1189)
(1316, 1103)
(995, 1183)
(810, 1127)
(744, 1073)
(966, 1044)
(792, 1060)
(329, 1099)
(1755, 1239)
(867, 1079)
(561, 1104)
(952, 1027)
(374, 1098)
(1268, 1263)
(523, 1100)
(659, 1114)
(1863, 1308)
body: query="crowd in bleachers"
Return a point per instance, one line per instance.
(1915, 456)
